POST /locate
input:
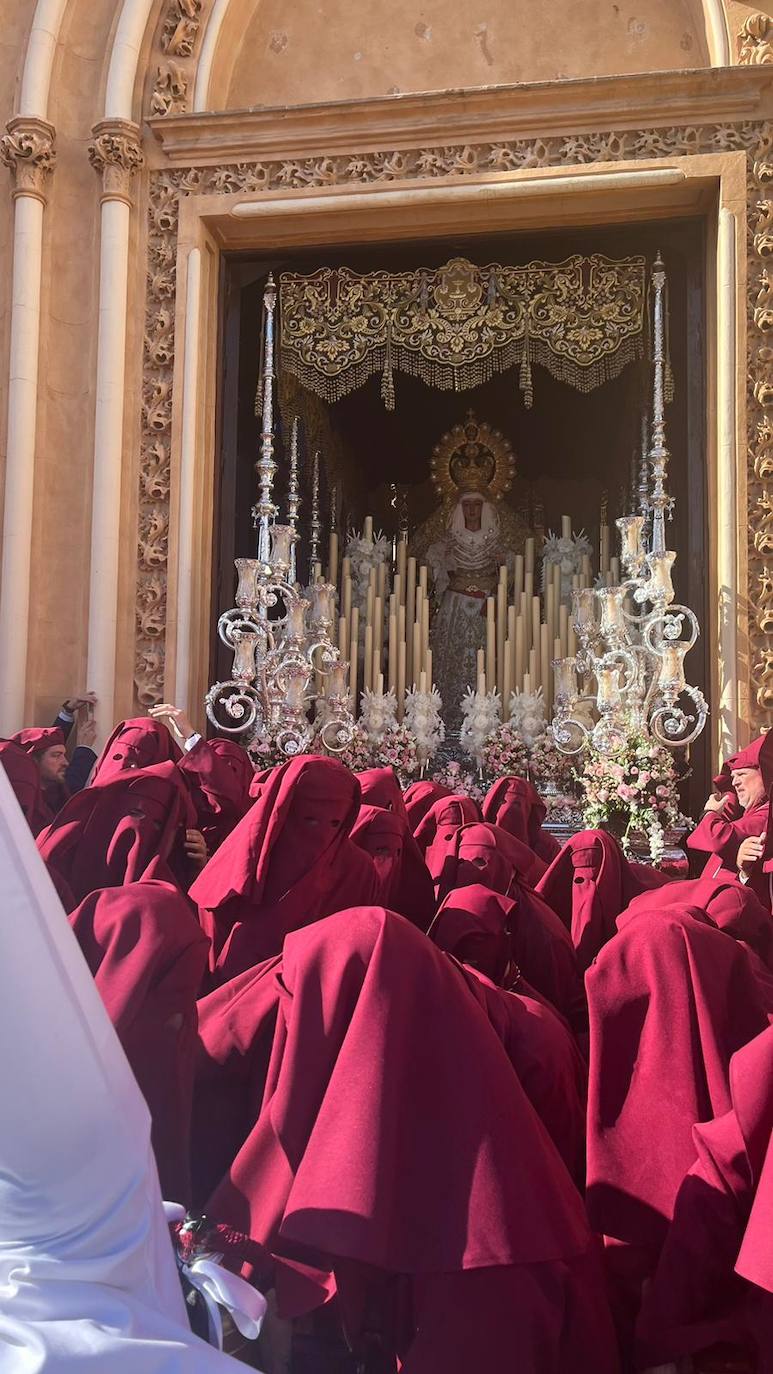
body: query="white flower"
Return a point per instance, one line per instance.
(481, 716)
(527, 715)
(423, 719)
(379, 714)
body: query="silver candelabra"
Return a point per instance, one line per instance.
(628, 674)
(288, 686)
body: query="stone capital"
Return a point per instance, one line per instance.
(755, 41)
(27, 148)
(116, 153)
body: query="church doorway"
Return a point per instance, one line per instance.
(576, 451)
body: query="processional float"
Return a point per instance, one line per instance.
(289, 687)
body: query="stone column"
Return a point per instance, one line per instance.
(116, 154)
(27, 148)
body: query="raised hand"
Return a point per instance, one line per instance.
(174, 719)
(196, 848)
(750, 851)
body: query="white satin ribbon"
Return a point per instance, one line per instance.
(220, 1288)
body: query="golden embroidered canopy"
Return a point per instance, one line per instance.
(456, 326)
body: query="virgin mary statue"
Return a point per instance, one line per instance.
(472, 467)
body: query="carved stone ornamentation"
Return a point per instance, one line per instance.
(760, 415)
(177, 39)
(180, 26)
(27, 148)
(170, 92)
(409, 165)
(116, 154)
(755, 41)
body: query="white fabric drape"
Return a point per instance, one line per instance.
(88, 1279)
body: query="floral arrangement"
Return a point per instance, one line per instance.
(357, 754)
(550, 768)
(460, 781)
(505, 751)
(265, 753)
(399, 750)
(633, 792)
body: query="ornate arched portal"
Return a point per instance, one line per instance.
(177, 188)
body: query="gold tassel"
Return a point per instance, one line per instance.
(525, 381)
(387, 375)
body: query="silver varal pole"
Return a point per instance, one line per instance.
(265, 509)
(293, 497)
(315, 524)
(659, 454)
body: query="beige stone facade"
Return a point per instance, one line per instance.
(145, 138)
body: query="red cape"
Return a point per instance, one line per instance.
(668, 969)
(37, 739)
(479, 852)
(493, 932)
(516, 806)
(262, 882)
(418, 798)
(219, 774)
(404, 883)
(588, 884)
(148, 954)
(374, 1024)
(694, 1301)
(24, 776)
(137, 743)
(119, 832)
(380, 787)
(446, 813)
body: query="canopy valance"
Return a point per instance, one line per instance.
(457, 325)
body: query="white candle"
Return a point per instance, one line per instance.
(332, 575)
(491, 656)
(354, 654)
(367, 667)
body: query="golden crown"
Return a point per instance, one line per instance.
(472, 457)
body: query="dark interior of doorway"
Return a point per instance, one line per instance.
(570, 447)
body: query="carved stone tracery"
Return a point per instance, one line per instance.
(27, 149)
(754, 139)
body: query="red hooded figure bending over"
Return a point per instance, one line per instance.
(735, 820)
